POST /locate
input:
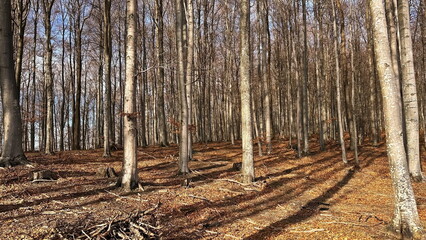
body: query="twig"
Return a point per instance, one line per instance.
(198, 197)
(86, 235)
(130, 198)
(43, 180)
(308, 231)
(233, 181)
(147, 154)
(228, 190)
(226, 235)
(349, 223)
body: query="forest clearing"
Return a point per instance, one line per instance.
(315, 197)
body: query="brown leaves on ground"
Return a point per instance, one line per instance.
(316, 197)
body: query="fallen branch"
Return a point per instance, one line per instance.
(349, 223)
(226, 235)
(198, 197)
(308, 231)
(228, 190)
(130, 198)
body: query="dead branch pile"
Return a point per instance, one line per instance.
(140, 225)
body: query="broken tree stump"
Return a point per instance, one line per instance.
(106, 172)
(43, 175)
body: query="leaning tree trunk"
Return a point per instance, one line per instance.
(406, 219)
(246, 123)
(129, 178)
(409, 91)
(12, 152)
(107, 75)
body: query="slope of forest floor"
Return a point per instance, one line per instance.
(315, 197)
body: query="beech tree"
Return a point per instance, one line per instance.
(107, 76)
(129, 179)
(48, 74)
(160, 85)
(12, 151)
(180, 38)
(245, 91)
(409, 90)
(406, 219)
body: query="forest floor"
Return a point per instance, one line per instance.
(315, 197)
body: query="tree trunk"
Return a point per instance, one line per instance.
(189, 70)
(409, 90)
(245, 78)
(183, 141)
(48, 75)
(406, 219)
(107, 76)
(129, 179)
(338, 88)
(12, 152)
(160, 85)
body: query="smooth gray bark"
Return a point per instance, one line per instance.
(12, 152)
(409, 91)
(129, 179)
(246, 116)
(406, 219)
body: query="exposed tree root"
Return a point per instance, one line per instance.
(13, 161)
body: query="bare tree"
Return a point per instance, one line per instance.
(160, 85)
(12, 152)
(338, 88)
(409, 90)
(107, 76)
(183, 141)
(48, 74)
(245, 91)
(406, 219)
(129, 179)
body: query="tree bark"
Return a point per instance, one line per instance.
(189, 69)
(107, 77)
(183, 141)
(160, 85)
(409, 90)
(245, 78)
(129, 179)
(12, 152)
(406, 219)
(338, 88)
(48, 74)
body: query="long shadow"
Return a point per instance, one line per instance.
(10, 207)
(260, 205)
(302, 214)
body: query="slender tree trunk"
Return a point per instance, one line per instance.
(33, 116)
(338, 88)
(406, 219)
(142, 86)
(183, 141)
(160, 85)
(107, 76)
(22, 10)
(245, 91)
(409, 89)
(12, 152)
(48, 75)
(189, 70)
(305, 110)
(129, 179)
(265, 48)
